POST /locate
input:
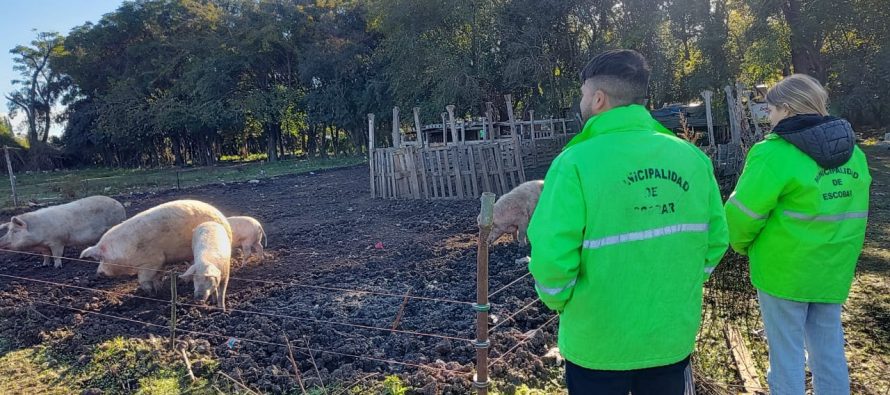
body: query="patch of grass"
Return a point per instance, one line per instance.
(117, 366)
(74, 184)
(393, 385)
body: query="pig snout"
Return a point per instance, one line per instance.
(102, 271)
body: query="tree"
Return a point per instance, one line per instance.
(40, 86)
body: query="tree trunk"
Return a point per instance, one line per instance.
(310, 140)
(176, 142)
(46, 124)
(805, 57)
(272, 142)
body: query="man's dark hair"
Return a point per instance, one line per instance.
(623, 74)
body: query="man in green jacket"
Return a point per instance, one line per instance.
(628, 227)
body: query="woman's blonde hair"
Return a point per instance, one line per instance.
(800, 94)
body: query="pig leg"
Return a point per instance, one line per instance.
(56, 250)
(157, 282)
(221, 293)
(258, 247)
(146, 278)
(521, 231)
(46, 252)
(496, 233)
(150, 279)
(245, 250)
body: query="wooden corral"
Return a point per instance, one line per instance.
(462, 158)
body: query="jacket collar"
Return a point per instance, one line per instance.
(619, 119)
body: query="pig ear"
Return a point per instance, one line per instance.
(91, 252)
(213, 271)
(188, 273)
(18, 222)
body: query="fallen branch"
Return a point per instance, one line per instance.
(244, 387)
(312, 358)
(293, 362)
(743, 360)
(188, 364)
(401, 312)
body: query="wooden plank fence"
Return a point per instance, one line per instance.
(493, 159)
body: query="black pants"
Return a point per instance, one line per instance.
(662, 380)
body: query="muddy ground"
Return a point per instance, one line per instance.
(323, 230)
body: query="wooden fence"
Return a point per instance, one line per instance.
(475, 157)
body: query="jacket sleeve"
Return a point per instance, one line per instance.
(718, 233)
(556, 234)
(753, 200)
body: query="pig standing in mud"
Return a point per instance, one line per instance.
(49, 230)
(513, 211)
(212, 248)
(144, 244)
(248, 234)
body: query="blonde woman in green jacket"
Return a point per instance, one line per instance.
(628, 227)
(799, 212)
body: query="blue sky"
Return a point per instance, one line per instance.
(19, 17)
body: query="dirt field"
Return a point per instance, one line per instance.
(324, 231)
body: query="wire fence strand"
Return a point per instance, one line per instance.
(491, 295)
(270, 282)
(320, 287)
(83, 260)
(250, 312)
(304, 349)
(523, 341)
(511, 316)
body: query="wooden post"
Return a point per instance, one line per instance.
(371, 156)
(396, 135)
(517, 147)
(531, 122)
(421, 140)
(450, 109)
(177, 179)
(732, 108)
(15, 196)
(489, 113)
(708, 95)
(173, 279)
(444, 128)
(482, 344)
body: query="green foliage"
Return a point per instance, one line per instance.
(116, 366)
(160, 82)
(393, 385)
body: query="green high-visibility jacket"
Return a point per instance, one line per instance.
(629, 225)
(802, 226)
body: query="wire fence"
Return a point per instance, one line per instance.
(728, 293)
(523, 340)
(41, 186)
(277, 315)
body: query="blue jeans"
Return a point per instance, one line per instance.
(791, 326)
